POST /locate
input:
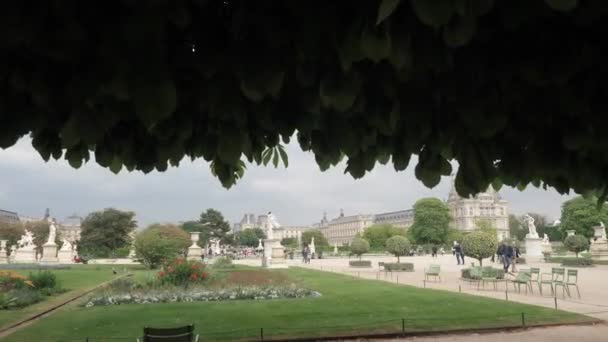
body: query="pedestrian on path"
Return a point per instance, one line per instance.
(434, 251)
(506, 257)
(458, 253)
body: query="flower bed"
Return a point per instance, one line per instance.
(17, 290)
(486, 272)
(200, 295)
(182, 272)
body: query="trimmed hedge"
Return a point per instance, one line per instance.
(399, 267)
(486, 272)
(577, 262)
(360, 263)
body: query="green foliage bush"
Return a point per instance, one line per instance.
(479, 245)
(397, 266)
(45, 281)
(359, 246)
(360, 263)
(398, 246)
(223, 263)
(160, 243)
(431, 222)
(377, 235)
(576, 262)
(576, 243)
(486, 272)
(24, 297)
(182, 272)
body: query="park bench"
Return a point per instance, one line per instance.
(179, 334)
(433, 271)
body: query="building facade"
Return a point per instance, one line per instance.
(8, 216)
(343, 229)
(486, 206)
(70, 228)
(247, 222)
(400, 219)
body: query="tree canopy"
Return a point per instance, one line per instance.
(320, 239)
(212, 225)
(581, 215)
(249, 237)
(475, 81)
(431, 222)
(103, 232)
(377, 235)
(398, 246)
(479, 244)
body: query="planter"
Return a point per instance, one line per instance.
(399, 267)
(360, 263)
(486, 272)
(577, 262)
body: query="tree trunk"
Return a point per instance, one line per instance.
(398, 259)
(480, 262)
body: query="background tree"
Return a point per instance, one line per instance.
(398, 246)
(249, 237)
(582, 214)
(213, 225)
(11, 232)
(516, 229)
(159, 243)
(576, 244)
(191, 226)
(105, 231)
(431, 222)
(228, 240)
(320, 240)
(359, 246)
(377, 235)
(479, 245)
(290, 242)
(485, 226)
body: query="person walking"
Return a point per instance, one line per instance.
(461, 254)
(304, 254)
(515, 256)
(458, 253)
(500, 251)
(434, 251)
(506, 257)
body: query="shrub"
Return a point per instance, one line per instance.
(405, 267)
(479, 245)
(577, 262)
(576, 243)
(19, 298)
(359, 247)
(398, 246)
(360, 263)
(43, 280)
(158, 244)
(182, 272)
(486, 272)
(223, 263)
(12, 280)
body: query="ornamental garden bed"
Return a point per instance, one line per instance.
(360, 263)
(577, 262)
(399, 267)
(18, 291)
(486, 272)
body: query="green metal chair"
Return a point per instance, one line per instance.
(433, 271)
(179, 334)
(571, 280)
(556, 275)
(535, 278)
(522, 278)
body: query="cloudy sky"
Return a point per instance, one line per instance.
(298, 195)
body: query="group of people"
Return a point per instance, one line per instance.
(506, 254)
(306, 254)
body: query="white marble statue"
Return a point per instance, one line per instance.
(545, 239)
(532, 233)
(66, 246)
(271, 223)
(27, 241)
(52, 232)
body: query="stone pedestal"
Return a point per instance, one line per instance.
(195, 252)
(274, 254)
(24, 256)
(3, 252)
(599, 250)
(65, 256)
(533, 249)
(546, 248)
(49, 253)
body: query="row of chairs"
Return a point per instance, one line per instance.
(559, 277)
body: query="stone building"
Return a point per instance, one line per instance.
(8, 216)
(247, 222)
(342, 230)
(400, 219)
(488, 206)
(70, 228)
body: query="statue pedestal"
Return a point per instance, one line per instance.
(599, 250)
(49, 253)
(274, 254)
(534, 251)
(546, 248)
(24, 256)
(3, 257)
(65, 257)
(195, 253)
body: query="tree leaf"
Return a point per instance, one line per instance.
(284, 157)
(266, 155)
(275, 158)
(387, 7)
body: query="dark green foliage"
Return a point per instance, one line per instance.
(486, 272)
(320, 240)
(103, 232)
(431, 222)
(398, 266)
(250, 237)
(479, 245)
(576, 262)
(359, 246)
(581, 215)
(378, 234)
(360, 263)
(43, 280)
(289, 242)
(159, 243)
(212, 225)
(576, 243)
(478, 82)
(398, 246)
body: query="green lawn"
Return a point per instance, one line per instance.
(348, 305)
(77, 279)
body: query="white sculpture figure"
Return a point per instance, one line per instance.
(52, 232)
(260, 247)
(545, 239)
(531, 227)
(27, 241)
(66, 246)
(311, 247)
(271, 223)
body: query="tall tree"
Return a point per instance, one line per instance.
(516, 229)
(11, 232)
(582, 214)
(249, 237)
(105, 231)
(159, 243)
(431, 222)
(320, 240)
(377, 235)
(212, 225)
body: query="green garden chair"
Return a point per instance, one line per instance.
(179, 334)
(571, 280)
(556, 276)
(433, 271)
(535, 277)
(522, 278)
